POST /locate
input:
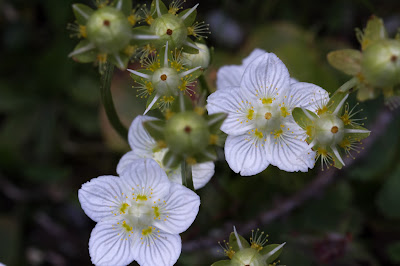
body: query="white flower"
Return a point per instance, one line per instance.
(144, 146)
(139, 215)
(259, 101)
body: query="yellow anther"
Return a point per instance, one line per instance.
(266, 100)
(191, 160)
(258, 134)
(284, 111)
(199, 110)
(213, 139)
(123, 208)
(250, 114)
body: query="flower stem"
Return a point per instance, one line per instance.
(348, 85)
(187, 179)
(203, 84)
(106, 98)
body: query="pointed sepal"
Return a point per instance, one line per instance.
(233, 242)
(155, 128)
(87, 55)
(347, 60)
(215, 121)
(273, 256)
(125, 6)
(82, 13)
(171, 160)
(303, 117)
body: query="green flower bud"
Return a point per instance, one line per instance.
(166, 81)
(248, 256)
(187, 133)
(381, 63)
(329, 129)
(201, 59)
(171, 29)
(109, 30)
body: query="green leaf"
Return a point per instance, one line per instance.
(222, 263)
(163, 8)
(125, 6)
(268, 249)
(215, 121)
(302, 119)
(82, 13)
(155, 128)
(87, 56)
(346, 60)
(234, 243)
(389, 197)
(171, 160)
(190, 19)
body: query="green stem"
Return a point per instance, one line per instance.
(203, 84)
(107, 100)
(187, 179)
(348, 85)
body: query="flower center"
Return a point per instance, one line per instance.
(166, 81)
(163, 77)
(329, 129)
(106, 22)
(169, 32)
(334, 129)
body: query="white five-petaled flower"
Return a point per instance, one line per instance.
(139, 215)
(259, 97)
(144, 146)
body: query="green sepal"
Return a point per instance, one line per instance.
(356, 136)
(301, 118)
(207, 155)
(155, 128)
(182, 103)
(141, 30)
(336, 162)
(335, 100)
(189, 49)
(123, 61)
(140, 79)
(222, 263)
(212, 55)
(234, 243)
(82, 13)
(194, 75)
(268, 249)
(190, 19)
(150, 99)
(171, 160)
(126, 6)
(85, 57)
(366, 92)
(221, 139)
(163, 8)
(346, 60)
(215, 121)
(374, 31)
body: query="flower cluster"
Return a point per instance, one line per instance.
(376, 67)
(259, 98)
(241, 252)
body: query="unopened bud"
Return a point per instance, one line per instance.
(201, 59)
(171, 29)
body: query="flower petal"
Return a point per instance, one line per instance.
(245, 157)
(140, 141)
(164, 249)
(290, 152)
(178, 211)
(126, 160)
(107, 246)
(253, 56)
(101, 197)
(229, 76)
(202, 173)
(306, 95)
(265, 77)
(146, 175)
(232, 102)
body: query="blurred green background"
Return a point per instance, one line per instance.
(54, 136)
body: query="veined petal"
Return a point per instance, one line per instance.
(158, 249)
(139, 139)
(289, 151)
(178, 210)
(145, 176)
(109, 245)
(102, 197)
(127, 159)
(256, 53)
(245, 156)
(238, 108)
(202, 173)
(306, 95)
(266, 77)
(229, 76)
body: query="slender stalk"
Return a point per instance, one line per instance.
(348, 85)
(204, 84)
(107, 100)
(187, 179)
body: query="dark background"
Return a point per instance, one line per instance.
(54, 137)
